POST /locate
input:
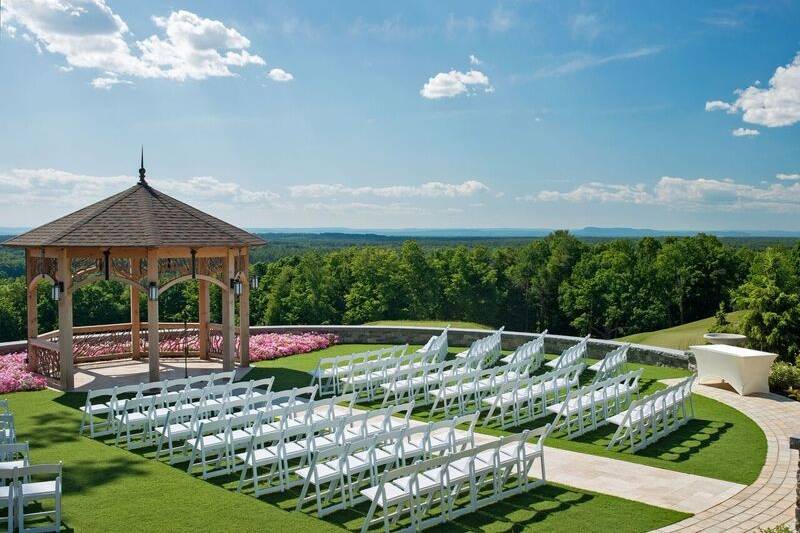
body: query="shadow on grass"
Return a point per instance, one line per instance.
(285, 378)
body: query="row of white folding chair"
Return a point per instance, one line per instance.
(368, 377)
(407, 369)
(143, 413)
(23, 485)
(222, 437)
(330, 370)
(437, 346)
(183, 424)
(571, 356)
(488, 348)
(533, 349)
(413, 384)
(527, 399)
(429, 491)
(613, 364)
(102, 402)
(293, 448)
(648, 419)
(466, 389)
(589, 407)
(339, 471)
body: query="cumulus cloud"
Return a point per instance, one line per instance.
(278, 74)
(431, 189)
(788, 177)
(47, 186)
(773, 106)
(108, 82)
(361, 207)
(683, 194)
(88, 34)
(745, 132)
(473, 60)
(453, 83)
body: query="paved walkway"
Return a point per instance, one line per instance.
(106, 374)
(770, 500)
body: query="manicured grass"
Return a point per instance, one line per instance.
(430, 324)
(720, 442)
(680, 337)
(110, 489)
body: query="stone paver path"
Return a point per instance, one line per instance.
(770, 500)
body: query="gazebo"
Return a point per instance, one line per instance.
(149, 241)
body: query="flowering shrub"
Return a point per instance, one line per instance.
(264, 346)
(14, 374)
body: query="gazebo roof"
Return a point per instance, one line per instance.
(140, 216)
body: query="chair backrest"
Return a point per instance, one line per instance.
(26, 472)
(10, 451)
(613, 363)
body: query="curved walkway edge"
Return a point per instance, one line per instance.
(770, 500)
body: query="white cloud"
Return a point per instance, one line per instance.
(431, 189)
(351, 208)
(108, 82)
(745, 132)
(683, 194)
(278, 74)
(47, 186)
(453, 83)
(719, 105)
(774, 106)
(90, 35)
(473, 60)
(788, 177)
(63, 68)
(585, 61)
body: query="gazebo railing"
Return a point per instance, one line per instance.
(114, 341)
(43, 355)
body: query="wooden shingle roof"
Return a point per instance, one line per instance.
(139, 216)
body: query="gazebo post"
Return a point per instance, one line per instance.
(33, 313)
(228, 315)
(152, 316)
(66, 357)
(203, 314)
(136, 325)
(244, 312)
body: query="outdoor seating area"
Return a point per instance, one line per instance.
(25, 486)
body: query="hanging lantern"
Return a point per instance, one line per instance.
(57, 290)
(152, 291)
(236, 285)
(254, 282)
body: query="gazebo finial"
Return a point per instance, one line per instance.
(141, 170)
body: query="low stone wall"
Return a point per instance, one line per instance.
(460, 337)
(464, 337)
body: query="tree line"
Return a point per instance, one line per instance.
(609, 289)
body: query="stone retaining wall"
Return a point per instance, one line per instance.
(460, 337)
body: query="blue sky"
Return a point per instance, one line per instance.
(676, 115)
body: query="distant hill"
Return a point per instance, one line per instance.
(588, 232)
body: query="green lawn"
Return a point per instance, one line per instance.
(720, 442)
(680, 337)
(430, 324)
(110, 489)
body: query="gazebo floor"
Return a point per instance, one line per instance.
(105, 374)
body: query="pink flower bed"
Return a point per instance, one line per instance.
(14, 374)
(264, 346)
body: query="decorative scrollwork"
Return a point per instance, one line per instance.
(37, 265)
(84, 267)
(213, 267)
(121, 267)
(101, 345)
(47, 362)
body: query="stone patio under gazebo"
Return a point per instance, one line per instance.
(149, 241)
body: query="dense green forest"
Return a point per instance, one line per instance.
(607, 288)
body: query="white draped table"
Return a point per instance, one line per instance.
(745, 370)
